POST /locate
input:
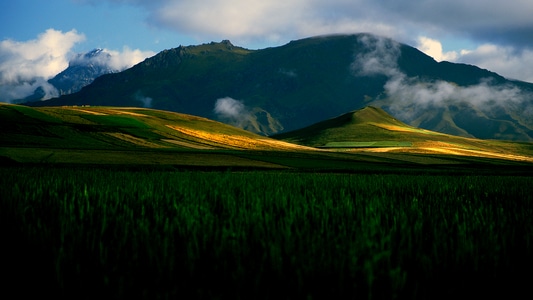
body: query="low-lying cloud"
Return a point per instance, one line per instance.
(380, 57)
(146, 101)
(231, 111)
(418, 95)
(26, 66)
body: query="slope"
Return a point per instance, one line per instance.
(372, 130)
(111, 135)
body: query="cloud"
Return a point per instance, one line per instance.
(380, 58)
(505, 60)
(113, 59)
(121, 60)
(406, 92)
(26, 66)
(433, 48)
(264, 22)
(493, 21)
(408, 96)
(21, 90)
(508, 61)
(43, 57)
(146, 101)
(231, 111)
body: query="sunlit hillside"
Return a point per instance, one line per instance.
(141, 136)
(373, 130)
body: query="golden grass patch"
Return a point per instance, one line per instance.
(190, 145)
(239, 141)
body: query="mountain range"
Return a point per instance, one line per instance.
(281, 89)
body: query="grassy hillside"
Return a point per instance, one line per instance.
(141, 136)
(110, 135)
(373, 130)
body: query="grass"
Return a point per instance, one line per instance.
(93, 232)
(376, 144)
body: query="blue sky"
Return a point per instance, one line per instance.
(42, 35)
(105, 25)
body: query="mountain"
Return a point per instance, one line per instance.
(285, 88)
(81, 71)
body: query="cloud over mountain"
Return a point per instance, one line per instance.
(27, 65)
(115, 60)
(409, 96)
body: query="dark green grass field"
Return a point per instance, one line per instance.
(108, 232)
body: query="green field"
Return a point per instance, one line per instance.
(109, 232)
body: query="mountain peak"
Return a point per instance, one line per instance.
(96, 56)
(227, 43)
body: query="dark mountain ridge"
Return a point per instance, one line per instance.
(284, 88)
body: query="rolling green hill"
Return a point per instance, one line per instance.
(142, 136)
(285, 88)
(371, 129)
(112, 135)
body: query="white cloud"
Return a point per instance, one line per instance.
(433, 48)
(115, 60)
(23, 89)
(229, 108)
(273, 21)
(506, 61)
(382, 59)
(408, 97)
(27, 65)
(43, 57)
(121, 60)
(232, 111)
(410, 92)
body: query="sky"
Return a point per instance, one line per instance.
(37, 38)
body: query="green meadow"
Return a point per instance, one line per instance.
(109, 232)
